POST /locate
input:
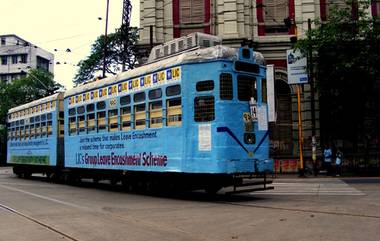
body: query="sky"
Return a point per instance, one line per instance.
(62, 24)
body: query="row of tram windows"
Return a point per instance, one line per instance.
(34, 127)
(148, 110)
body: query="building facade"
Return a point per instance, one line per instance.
(17, 56)
(269, 26)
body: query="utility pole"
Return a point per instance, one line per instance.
(105, 41)
(125, 23)
(151, 36)
(312, 102)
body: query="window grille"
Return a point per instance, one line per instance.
(139, 97)
(246, 88)
(101, 105)
(90, 107)
(173, 90)
(226, 87)
(204, 108)
(174, 112)
(125, 100)
(72, 111)
(206, 85)
(80, 110)
(155, 94)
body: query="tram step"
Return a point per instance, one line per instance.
(249, 190)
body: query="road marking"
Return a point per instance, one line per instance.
(322, 187)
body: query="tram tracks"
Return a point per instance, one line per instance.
(300, 210)
(38, 222)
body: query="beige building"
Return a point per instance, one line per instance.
(268, 25)
(17, 56)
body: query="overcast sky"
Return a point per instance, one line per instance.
(62, 24)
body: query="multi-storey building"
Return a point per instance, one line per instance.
(269, 26)
(17, 56)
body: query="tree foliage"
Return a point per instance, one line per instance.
(116, 55)
(37, 84)
(347, 56)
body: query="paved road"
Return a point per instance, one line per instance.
(298, 209)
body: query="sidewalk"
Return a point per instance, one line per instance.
(5, 170)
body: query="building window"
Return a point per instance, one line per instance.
(14, 59)
(24, 58)
(275, 17)
(3, 41)
(4, 60)
(42, 63)
(191, 16)
(327, 6)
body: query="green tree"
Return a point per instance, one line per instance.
(347, 55)
(116, 56)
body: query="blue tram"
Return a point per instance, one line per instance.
(193, 117)
(35, 136)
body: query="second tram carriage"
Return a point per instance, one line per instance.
(196, 119)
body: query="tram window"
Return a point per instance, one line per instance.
(22, 122)
(101, 120)
(112, 120)
(125, 118)
(204, 108)
(81, 121)
(139, 97)
(49, 116)
(173, 90)
(49, 128)
(37, 128)
(91, 122)
(264, 91)
(27, 133)
(246, 88)
(155, 94)
(61, 128)
(37, 118)
(22, 133)
(140, 116)
(32, 131)
(90, 107)
(72, 125)
(125, 100)
(43, 117)
(31, 120)
(155, 109)
(43, 128)
(226, 86)
(80, 110)
(101, 105)
(17, 123)
(72, 112)
(174, 112)
(206, 85)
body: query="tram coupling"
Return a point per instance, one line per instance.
(244, 184)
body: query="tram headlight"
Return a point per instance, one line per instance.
(249, 138)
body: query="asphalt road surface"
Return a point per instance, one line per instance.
(298, 209)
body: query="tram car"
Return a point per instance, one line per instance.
(35, 136)
(194, 117)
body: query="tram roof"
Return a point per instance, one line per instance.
(37, 102)
(198, 55)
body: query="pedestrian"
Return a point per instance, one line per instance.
(338, 163)
(327, 153)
